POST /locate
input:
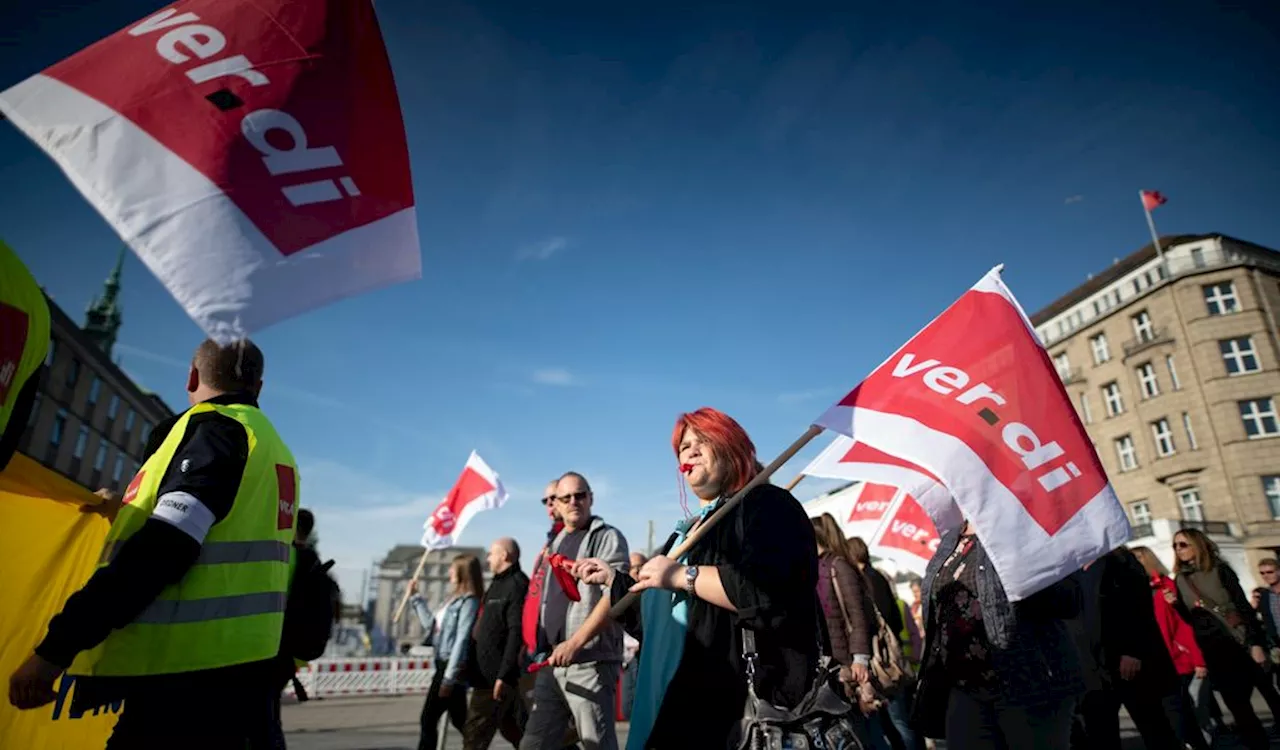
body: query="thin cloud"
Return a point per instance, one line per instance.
(555, 376)
(800, 397)
(543, 250)
(1073, 199)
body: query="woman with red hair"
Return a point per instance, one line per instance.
(757, 570)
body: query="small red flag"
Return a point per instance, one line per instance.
(1152, 198)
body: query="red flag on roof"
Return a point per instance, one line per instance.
(477, 489)
(1152, 198)
(251, 152)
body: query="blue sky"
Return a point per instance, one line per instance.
(630, 213)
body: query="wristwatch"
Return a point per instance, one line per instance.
(690, 576)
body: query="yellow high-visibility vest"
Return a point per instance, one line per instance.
(24, 330)
(229, 607)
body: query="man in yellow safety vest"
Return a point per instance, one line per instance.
(183, 617)
(24, 343)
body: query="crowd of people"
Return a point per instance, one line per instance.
(192, 616)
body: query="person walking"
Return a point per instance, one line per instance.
(580, 683)
(493, 672)
(447, 693)
(183, 617)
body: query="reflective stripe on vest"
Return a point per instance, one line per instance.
(219, 608)
(229, 606)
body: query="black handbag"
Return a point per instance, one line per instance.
(821, 721)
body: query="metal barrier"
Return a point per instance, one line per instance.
(371, 676)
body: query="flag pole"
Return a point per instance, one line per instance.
(792, 484)
(1155, 237)
(413, 585)
(622, 604)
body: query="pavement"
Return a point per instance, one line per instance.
(391, 723)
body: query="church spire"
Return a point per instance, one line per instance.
(102, 318)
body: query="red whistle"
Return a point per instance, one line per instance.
(538, 665)
(686, 468)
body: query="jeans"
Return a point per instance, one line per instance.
(980, 725)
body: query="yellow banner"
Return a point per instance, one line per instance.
(48, 549)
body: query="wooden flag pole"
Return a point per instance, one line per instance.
(413, 586)
(799, 478)
(622, 604)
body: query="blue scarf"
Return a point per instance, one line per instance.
(665, 615)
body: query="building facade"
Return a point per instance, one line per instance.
(1173, 365)
(90, 422)
(395, 573)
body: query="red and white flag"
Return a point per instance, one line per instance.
(477, 489)
(907, 536)
(1151, 199)
(251, 152)
(974, 400)
(884, 476)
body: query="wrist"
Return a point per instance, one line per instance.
(676, 580)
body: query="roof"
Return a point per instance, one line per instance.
(403, 553)
(1114, 272)
(1134, 260)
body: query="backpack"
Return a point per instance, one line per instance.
(313, 607)
(889, 668)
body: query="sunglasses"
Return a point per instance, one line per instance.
(1181, 545)
(1266, 572)
(573, 496)
(548, 499)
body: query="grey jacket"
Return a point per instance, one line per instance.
(608, 544)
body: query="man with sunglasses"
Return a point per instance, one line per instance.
(1269, 606)
(580, 684)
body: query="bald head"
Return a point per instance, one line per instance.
(504, 553)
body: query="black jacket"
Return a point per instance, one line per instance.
(495, 640)
(1031, 649)
(1118, 619)
(767, 558)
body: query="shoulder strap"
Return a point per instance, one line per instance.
(844, 610)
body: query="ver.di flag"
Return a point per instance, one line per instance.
(974, 399)
(883, 476)
(907, 535)
(478, 488)
(252, 153)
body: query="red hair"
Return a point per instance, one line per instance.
(727, 440)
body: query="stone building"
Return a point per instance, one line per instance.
(1173, 365)
(91, 421)
(393, 575)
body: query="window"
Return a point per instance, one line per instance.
(1097, 309)
(119, 468)
(82, 441)
(1140, 512)
(94, 389)
(1197, 257)
(1259, 417)
(146, 432)
(1101, 352)
(1271, 490)
(1085, 414)
(35, 411)
(1062, 364)
(1220, 299)
(1127, 453)
(1137, 286)
(1191, 434)
(113, 407)
(53, 353)
(1173, 372)
(128, 420)
(1147, 379)
(100, 458)
(59, 425)
(1142, 327)
(1189, 502)
(1111, 396)
(1163, 435)
(1115, 296)
(1239, 356)
(73, 372)
(1161, 273)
